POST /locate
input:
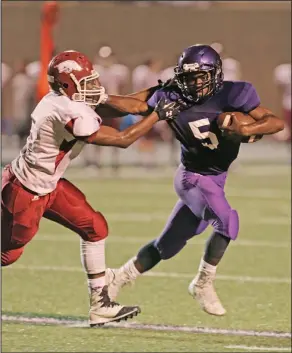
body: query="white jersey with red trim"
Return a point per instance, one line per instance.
(57, 122)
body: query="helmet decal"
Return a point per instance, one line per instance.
(68, 66)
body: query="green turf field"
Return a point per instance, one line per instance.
(45, 301)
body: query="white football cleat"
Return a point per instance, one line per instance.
(115, 280)
(103, 310)
(202, 289)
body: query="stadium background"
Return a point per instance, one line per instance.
(254, 278)
(257, 34)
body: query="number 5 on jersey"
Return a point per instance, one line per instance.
(195, 125)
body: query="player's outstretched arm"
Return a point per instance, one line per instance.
(117, 106)
(134, 103)
(145, 94)
(127, 104)
(107, 136)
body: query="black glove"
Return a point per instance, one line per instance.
(167, 110)
(169, 83)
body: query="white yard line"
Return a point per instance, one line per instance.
(260, 348)
(156, 274)
(140, 240)
(141, 326)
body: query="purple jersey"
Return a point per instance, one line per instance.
(204, 149)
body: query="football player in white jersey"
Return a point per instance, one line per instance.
(32, 185)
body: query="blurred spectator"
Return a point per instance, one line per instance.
(168, 72)
(6, 73)
(165, 132)
(6, 76)
(113, 76)
(282, 77)
(23, 92)
(147, 74)
(231, 67)
(143, 76)
(33, 69)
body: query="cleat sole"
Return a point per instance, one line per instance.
(118, 319)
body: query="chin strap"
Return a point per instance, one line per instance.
(103, 98)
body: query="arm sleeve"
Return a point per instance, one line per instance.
(82, 121)
(154, 99)
(243, 97)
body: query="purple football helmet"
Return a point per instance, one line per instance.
(199, 73)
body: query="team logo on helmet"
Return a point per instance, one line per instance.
(191, 67)
(68, 66)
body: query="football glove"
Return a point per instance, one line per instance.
(167, 110)
(171, 82)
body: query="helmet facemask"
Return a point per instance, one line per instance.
(198, 84)
(89, 90)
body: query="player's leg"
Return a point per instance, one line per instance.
(181, 225)
(21, 212)
(205, 196)
(71, 210)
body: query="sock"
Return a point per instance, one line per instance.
(92, 256)
(96, 282)
(130, 269)
(93, 261)
(147, 257)
(205, 267)
(215, 248)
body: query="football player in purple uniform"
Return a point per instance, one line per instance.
(206, 155)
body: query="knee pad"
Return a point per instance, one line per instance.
(99, 228)
(8, 257)
(233, 225)
(228, 224)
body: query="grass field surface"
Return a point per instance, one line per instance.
(45, 299)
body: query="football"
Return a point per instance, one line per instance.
(225, 119)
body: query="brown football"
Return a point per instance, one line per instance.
(225, 119)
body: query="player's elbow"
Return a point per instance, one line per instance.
(275, 124)
(140, 108)
(279, 125)
(125, 144)
(122, 142)
(88, 139)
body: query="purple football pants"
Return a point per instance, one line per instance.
(202, 202)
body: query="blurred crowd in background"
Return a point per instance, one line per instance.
(118, 78)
